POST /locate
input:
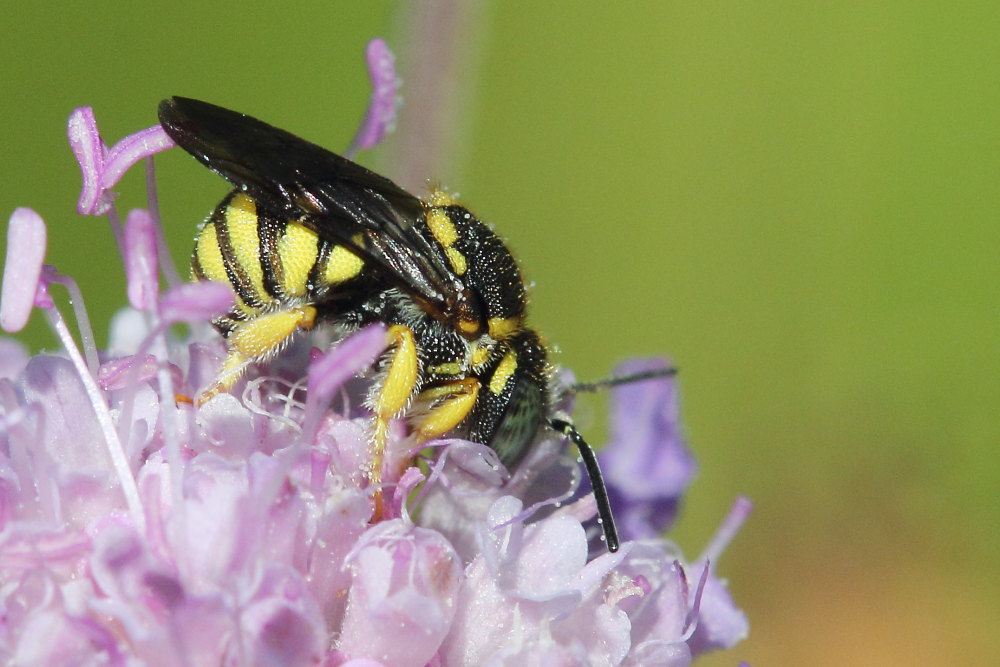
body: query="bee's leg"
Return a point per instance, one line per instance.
(450, 404)
(397, 387)
(255, 340)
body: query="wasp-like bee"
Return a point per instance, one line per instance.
(307, 236)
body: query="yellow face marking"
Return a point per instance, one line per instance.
(441, 197)
(479, 355)
(441, 227)
(241, 222)
(503, 373)
(502, 327)
(297, 250)
(468, 326)
(460, 397)
(451, 368)
(210, 255)
(341, 266)
(457, 260)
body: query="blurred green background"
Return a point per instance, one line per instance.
(797, 202)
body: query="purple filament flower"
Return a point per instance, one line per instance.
(137, 527)
(647, 465)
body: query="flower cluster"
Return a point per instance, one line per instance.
(137, 527)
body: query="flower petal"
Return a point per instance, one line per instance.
(404, 585)
(345, 360)
(647, 465)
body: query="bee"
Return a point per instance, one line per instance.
(308, 237)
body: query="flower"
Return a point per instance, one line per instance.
(647, 466)
(137, 527)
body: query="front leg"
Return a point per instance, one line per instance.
(398, 385)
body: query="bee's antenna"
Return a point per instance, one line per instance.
(605, 517)
(578, 387)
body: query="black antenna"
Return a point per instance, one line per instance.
(578, 387)
(606, 519)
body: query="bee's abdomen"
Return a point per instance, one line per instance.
(268, 260)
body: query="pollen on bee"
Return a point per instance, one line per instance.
(441, 227)
(441, 197)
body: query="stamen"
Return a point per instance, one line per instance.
(406, 484)
(191, 302)
(88, 147)
(117, 229)
(167, 265)
(380, 116)
(692, 618)
(349, 357)
(102, 168)
(26, 241)
(130, 150)
(731, 525)
(140, 260)
(168, 413)
(87, 340)
(111, 439)
(194, 303)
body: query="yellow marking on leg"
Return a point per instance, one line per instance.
(241, 223)
(441, 226)
(502, 327)
(397, 388)
(297, 250)
(456, 401)
(402, 375)
(504, 371)
(255, 340)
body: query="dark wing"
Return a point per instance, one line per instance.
(335, 197)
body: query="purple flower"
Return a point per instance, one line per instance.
(137, 527)
(647, 465)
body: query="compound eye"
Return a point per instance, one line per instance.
(518, 423)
